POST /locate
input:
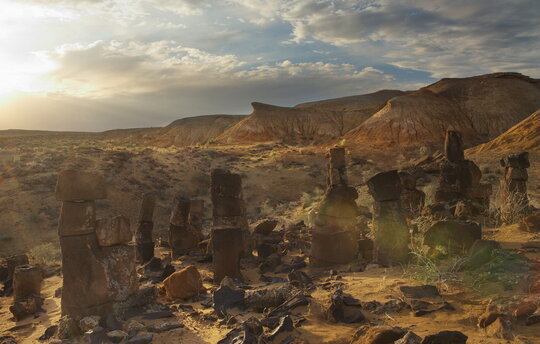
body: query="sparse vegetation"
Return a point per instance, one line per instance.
(46, 254)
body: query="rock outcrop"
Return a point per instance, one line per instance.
(335, 236)
(97, 279)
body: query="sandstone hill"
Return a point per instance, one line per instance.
(318, 121)
(193, 130)
(524, 136)
(492, 102)
(421, 117)
(481, 107)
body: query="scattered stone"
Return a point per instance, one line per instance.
(67, 327)
(49, 333)
(227, 296)
(145, 338)
(525, 309)
(184, 284)
(378, 335)
(299, 279)
(89, 323)
(410, 338)
(27, 306)
(157, 269)
(116, 336)
(531, 223)
(97, 335)
(285, 325)
(446, 337)
(265, 227)
(456, 236)
(266, 297)
(339, 309)
(500, 328)
(296, 263)
(418, 292)
(113, 323)
(159, 315)
(7, 340)
(533, 319)
(164, 327)
(134, 326)
(248, 332)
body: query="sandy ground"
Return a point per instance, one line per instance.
(379, 284)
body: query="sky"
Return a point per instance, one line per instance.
(92, 65)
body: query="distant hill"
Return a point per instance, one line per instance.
(524, 136)
(314, 121)
(481, 107)
(493, 102)
(421, 117)
(193, 130)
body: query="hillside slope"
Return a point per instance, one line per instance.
(418, 118)
(319, 121)
(194, 130)
(481, 107)
(524, 136)
(493, 102)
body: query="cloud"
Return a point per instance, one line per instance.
(447, 38)
(124, 82)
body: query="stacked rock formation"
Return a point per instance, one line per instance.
(228, 208)
(412, 199)
(460, 178)
(230, 238)
(143, 235)
(514, 182)
(182, 237)
(335, 235)
(27, 280)
(97, 279)
(391, 234)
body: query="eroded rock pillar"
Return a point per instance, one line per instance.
(96, 279)
(182, 237)
(227, 247)
(228, 208)
(143, 235)
(335, 236)
(391, 234)
(460, 178)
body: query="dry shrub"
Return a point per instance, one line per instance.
(46, 254)
(508, 207)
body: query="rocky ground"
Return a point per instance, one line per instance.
(281, 182)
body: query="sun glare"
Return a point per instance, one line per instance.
(25, 75)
